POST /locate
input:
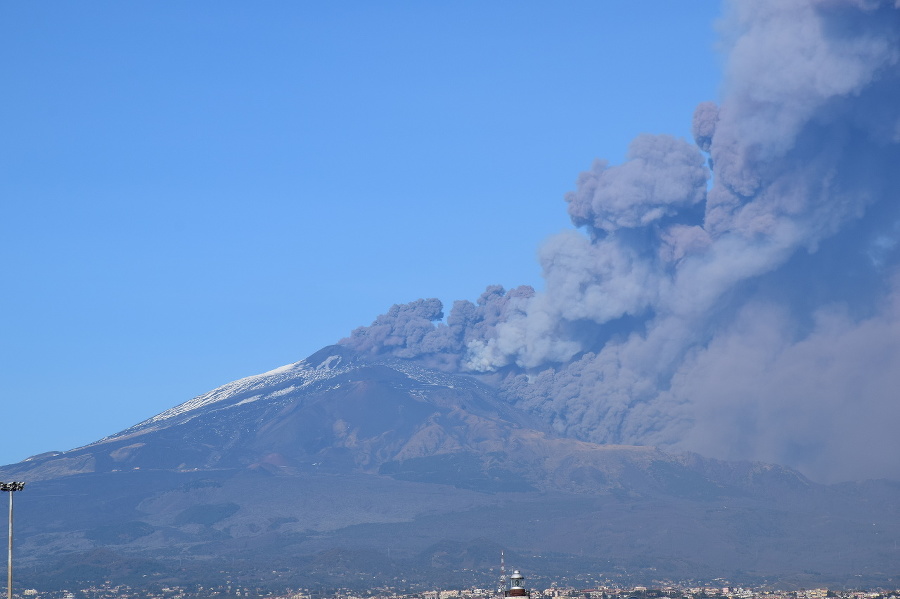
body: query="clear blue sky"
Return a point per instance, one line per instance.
(196, 192)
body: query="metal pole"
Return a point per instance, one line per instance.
(9, 561)
(10, 488)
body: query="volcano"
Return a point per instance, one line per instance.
(345, 466)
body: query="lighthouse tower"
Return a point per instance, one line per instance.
(516, 586)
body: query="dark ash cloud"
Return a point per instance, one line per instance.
(753, 318)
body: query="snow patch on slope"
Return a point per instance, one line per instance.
(268, 385)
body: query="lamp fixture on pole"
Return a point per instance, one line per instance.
(10, 488)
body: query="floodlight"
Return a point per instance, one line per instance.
(11, 488)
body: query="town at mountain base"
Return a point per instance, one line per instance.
(348, 467)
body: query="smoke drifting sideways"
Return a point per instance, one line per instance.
(738, 297)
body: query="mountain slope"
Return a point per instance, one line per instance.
(340, 452)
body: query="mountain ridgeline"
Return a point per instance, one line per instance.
(344, 467)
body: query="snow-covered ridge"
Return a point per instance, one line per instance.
(271, 384)
(240, 386)
(274, 384)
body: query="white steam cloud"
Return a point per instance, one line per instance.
(756, 318)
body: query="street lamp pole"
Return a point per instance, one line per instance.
(10, 488)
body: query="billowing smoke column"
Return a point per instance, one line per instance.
(738, 297)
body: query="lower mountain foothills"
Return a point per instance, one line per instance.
(580, 587)
(344, 470)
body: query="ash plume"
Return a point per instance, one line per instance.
(737, 296)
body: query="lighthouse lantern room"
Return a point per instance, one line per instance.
(516, 586)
